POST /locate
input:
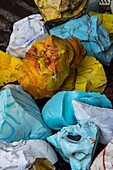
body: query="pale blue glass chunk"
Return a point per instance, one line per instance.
(76, 144)
(59, 112)
(20, 117)
(91, 33)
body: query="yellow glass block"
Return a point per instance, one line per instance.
(10, 68)
(61, 10)
(90, 76)
(51, 64)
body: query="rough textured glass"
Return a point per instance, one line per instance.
(20, 116)
(76, 144)
(59, 112)
(61, 10)
(102, 117)
(21, 155)
(25, 32)
(51, 65)
(91, 33)
(104, 160)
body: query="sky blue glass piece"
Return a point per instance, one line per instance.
(59, 112)
(20, 117)
(76, 144)
(91, 33)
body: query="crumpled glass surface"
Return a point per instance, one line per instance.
(59, 112)
(49, 65)
(21, 155)
(102, 117)
(91, 33)
(105, 159)
(90, 76)
(20, 117)
(76, 144)
(106, 20)
(10, 68)
(42, 164)
(25, 32)
(61, 10)
(53, 65)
